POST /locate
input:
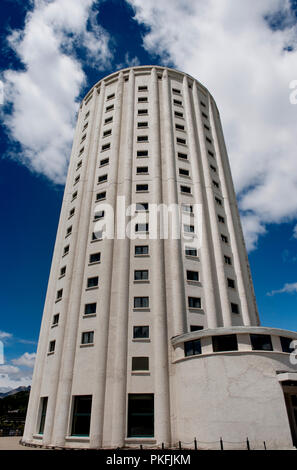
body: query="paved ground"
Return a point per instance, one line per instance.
(12, 443)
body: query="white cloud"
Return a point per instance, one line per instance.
(8, 369)
(44, 94)
(5, 335)
(229, 47)
(9, 383)
(287, 289)
(27, 360)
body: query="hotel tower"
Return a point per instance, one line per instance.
(150, 332)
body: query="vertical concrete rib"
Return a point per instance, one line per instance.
(160, 339)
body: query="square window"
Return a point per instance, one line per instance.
(93, 281)
(231, 283)
(108, 120)
(102, 178)
(105, 147)
(87, 337)
(141, 302)
(191, 251)
(193, 276)
(100, 196)
(227, 260)
(104, 161)
(140, 331)
(192, 348)
(95, 258)
(261, 342)
(189, 228)
(224, 343)
(194, 302)
(287, 344)
(90, 308)
(140, 363)
(107, 133)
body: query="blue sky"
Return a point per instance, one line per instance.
(52, 52)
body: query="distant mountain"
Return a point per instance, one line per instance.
(14, 391)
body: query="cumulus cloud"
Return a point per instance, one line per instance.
(44, 94)
(245, 53)
(27, 360)
(287, 289)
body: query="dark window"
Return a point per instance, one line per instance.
(192, 348)
(286, 344)
(109, 97)
(179, 127)
(190, 251)
(224, 343)
(74, 195)
(99, 215)
(183, 172)
(261, 343)
(141, 169)
(109, 108)
(194, 302)
(205, 115)
(66, 250)
(182, 155)
(189, 228)
(142, 112)
(104, 161)
(141, 331)
(141, 250)
(69, 230)
(142, 99)
(185, 189)
(218, 201)
(142, 124)
(206, 127)
(59, 294)
(100, 196)
(92, 281)
(77, 179)
(90, 308)
(141, 187)
(179, 140)
(102, 178)
(175, 90)
(142, 153)
(105, 146)
(196, 327)
(224, 238)
(52, 346)
(107, 133)
(95, 258)
(177, 102)
(213, 168)
(234, 308)
(203, 104)
(142, 138)
(97, 235)
(140, 415)
(231, 283)
(43, 406)
(81, 415)
(210, 153)
(141, 275)
(215, 183)
(56, 319)
(87, 337)
(71, 213)
(142, 88)
(178, 114)
(141, 302)
(208, 140)
(140, 363)
(192, 276)
(227, 259)
(108, 120)
(221, 219)
(63, 271)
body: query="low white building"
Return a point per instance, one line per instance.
(151, 337)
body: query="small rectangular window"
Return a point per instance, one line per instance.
(179, 140)
(93, 281)
(95, 258)
(87, 114)
(59, 294)
(210, 153)
(179, 127)
(108, 120)
(192, 348)
(185, 189)
(140, 363)
(234, 308)
(224, 238)
(231, 283)
(52, 346)
(142, 138)
(142, 170)
(97, 235)
(141, 250)
(175, 90)
(109, 97)
(196, 327)
(102, 178)
(141, 302)
(74, 195)
(141, 275)
(218, 201)
(191, 251)
(194, 302)
(99, 215)
(183, 172)
(63, 271)
(177, 102)
(142, 99)
(79, 165)
(208, 140)
(142, 124)
(107, 133)
(203, 104)
(184, 156)
(109, 108)
(69, 230)
(205, 115)
(142, 206)
(105, 147)
(213, 168)
(141, 187)
(100, 196)
(189, 228)
(142, 112)
(221, 219)
(142, 153)
(142, 88)
(206, 127)
(104, 161)
(227, 260)
(224, 343)
(216, 184)
(77, 179)
(178, 114)
(87, 337)
(261, 342)
(192, 276)
(56, 319)
(90, 308)
(287, 344)
(140, 331)
(66, 250)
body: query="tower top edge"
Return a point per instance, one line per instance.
(142, 68)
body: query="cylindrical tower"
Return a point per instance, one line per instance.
(133, 313)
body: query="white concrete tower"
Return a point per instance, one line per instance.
(154, 339)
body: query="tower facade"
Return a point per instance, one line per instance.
(150, 332)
